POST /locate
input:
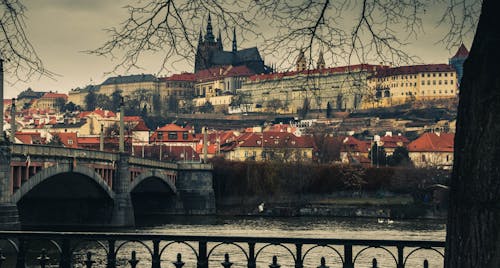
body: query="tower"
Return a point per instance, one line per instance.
(321, 61)
(457, 61)
(235, 48)
(301, 61)
(207, 46)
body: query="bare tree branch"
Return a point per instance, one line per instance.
(21, 59)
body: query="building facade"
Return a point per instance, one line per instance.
(340, 88)
(399, 85)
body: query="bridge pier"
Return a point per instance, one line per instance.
(123, 211)
(195, 186)
(9, 215)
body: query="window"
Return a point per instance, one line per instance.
(440, 82)
(70, 141)
(184, 135)
(423, 158)
(451, 82)
(423, 83)
(434, 75)
(433, 82)
(428, 75)
(445, 74)
(439, 74)
(172, 135)
(451, 74)
(423, 75)
(446, 82)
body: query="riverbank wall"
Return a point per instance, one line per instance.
(334, 205)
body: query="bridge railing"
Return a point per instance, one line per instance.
(151, 250)
(52, 151)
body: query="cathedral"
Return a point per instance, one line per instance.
(210, 53)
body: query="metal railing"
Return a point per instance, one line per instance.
(347, 252)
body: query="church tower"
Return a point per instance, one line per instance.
(321, 61)
(207, 46)
(301, 62)
(235, 47)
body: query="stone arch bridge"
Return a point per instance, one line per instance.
(52, 185)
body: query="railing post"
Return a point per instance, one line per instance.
(202, 255)
(2, 258)
(155, 259)
(21, 254)
(88, 261)
(348, 256)
(111, 255)
(299, 263)
(401, 259)
(251, 255)
(65, 258)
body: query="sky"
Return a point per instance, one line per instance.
(60, 30)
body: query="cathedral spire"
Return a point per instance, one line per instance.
(235, 47)
(209, 37)
(200, 38)
(321, 61)
(301, 61)
(219, 41)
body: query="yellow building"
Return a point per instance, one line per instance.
(218, 81)
(398, 85)
(264, 146)
(77, 95)
(51, 101)
(176, 88)
(129, 84)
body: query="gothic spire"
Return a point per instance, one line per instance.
(209, 37)
(200, 38)
(219, 41)
(321, 61)
(235, 47)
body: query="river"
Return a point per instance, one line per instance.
(292, 227)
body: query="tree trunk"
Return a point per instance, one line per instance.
(473, 238)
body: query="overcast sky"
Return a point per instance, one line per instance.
(61, 29)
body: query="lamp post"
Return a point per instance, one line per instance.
(122, 127)
(160, 137)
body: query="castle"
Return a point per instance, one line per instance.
(210, 53)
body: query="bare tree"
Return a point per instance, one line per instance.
(21, 61)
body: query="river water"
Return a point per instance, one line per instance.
(293, 227)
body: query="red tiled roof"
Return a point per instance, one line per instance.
(132, 119)
(102, 113)
(462, 52)
(432, 142)
(340, 69)
(215, 73)
(276, 140)
(172, 127)
(352, 144)
(394, 141)
(88, 140)
(413, 69)
(188, 77)
(29, 137)
(141, 126)
(51, 95)
(66, 136)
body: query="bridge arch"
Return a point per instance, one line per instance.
(149, 175)
(50, 172)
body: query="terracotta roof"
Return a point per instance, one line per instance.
(432, 142)
(188, 77)
(30, 137)
(66, 136)
(394, 141)
(141, 126)
(172, 127)
(216, 73)
(331, 70)
(132, 119)
(276, 140)
(51, 95)
(88, 140)
(352, 144)
(100, 112)
(413, 69)
(462, 52)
